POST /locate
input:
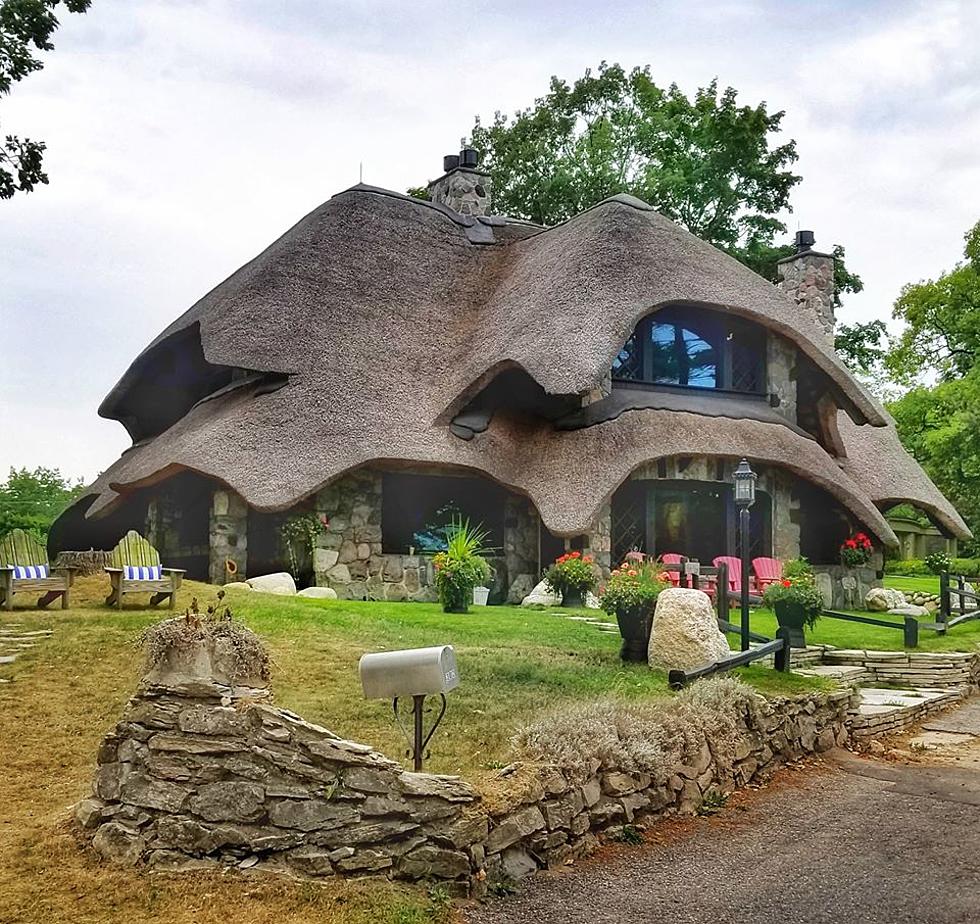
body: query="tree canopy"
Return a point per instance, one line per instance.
(26, 26)
(32, 500)
(941, 336)
(939, 423)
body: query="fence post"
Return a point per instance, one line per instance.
(721, 592)
(782, 656)
(911, 632)
(942, 617)
(961, 600)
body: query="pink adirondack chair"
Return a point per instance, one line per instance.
(734, 566)
(767, 571)
(672, 558)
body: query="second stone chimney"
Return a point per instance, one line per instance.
(808, 276)
(463, 187)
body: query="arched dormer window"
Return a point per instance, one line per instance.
(693, 348)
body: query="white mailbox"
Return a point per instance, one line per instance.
(412, 672)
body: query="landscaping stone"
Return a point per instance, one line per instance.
(909, 610)
(318, 593)
(541, 596)
(279, 583)
(685, 631)
(238, 585)
(882, 599)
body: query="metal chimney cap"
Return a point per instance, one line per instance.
(469, 157)
(805, 241)
(450, 162)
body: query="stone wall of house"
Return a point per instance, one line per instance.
(598, 541)
(228, 537)
(781, 357)
(166, 532)
(522, 567)
(845, 588)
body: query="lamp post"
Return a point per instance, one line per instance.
(744, 498)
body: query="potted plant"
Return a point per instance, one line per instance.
(631, 595)
(856, 551)
(571, 577)
(461, 567)
(795, 600)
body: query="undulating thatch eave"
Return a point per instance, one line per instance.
(879, 464)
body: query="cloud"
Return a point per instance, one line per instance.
(185, 135)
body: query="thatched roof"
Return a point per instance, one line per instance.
(388, 312)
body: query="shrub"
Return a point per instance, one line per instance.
(856, 550)
(799, 587)
(938, 562)
(910, 567)
(461, 567)
(571, 573)
(633, 587)
(640, 737)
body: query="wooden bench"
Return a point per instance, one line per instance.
(24, 568)
(135, 569)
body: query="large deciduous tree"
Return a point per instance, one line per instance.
(26, 26)
(940, 423)
(32, 500)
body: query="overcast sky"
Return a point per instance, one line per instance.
(186, 135)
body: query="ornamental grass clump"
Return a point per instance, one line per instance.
(856, 551)
(571, 576)
(462, 566)
(652, 738)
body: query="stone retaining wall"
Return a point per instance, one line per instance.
(922, 668)
(881, 719)
(554, 815)
(199, 774)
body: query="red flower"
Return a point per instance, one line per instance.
(787, 583)
(587, 559)
(576, 555)
(851, 544)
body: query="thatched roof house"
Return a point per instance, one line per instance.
(590, 383)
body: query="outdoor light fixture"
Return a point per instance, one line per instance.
(745, 480)
(415, 672)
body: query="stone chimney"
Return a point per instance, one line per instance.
(463, 187)
(808, 276)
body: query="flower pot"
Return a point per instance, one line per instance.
(572, 598)
(792, 616)
(480, 596)
(634, 627)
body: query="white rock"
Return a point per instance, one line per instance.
(319, 593)
(909, 610)
(685, 631)
(237, 585)
(280, 583)
(880, 599)
(541, 596)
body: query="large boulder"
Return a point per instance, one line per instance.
(685, 631)
(318, 593)
(279, 583)
(882, 599)
(541, 596)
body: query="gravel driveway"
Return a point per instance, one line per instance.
(855, 842)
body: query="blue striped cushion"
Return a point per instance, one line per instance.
(141, 573)
(28, 572)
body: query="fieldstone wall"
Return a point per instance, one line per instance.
(555, 815)
(781, 374)
(809, 278)
(521, 565)
(846, 588)
(599, 540)
(199, 775)
(228, 536)
(348, 556)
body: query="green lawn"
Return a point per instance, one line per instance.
(913, 584)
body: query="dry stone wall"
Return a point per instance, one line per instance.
(198, 774)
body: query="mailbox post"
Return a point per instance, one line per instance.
(415, 672)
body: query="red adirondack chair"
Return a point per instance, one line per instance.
(734, 566)
(767, 571)
(672, 558)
